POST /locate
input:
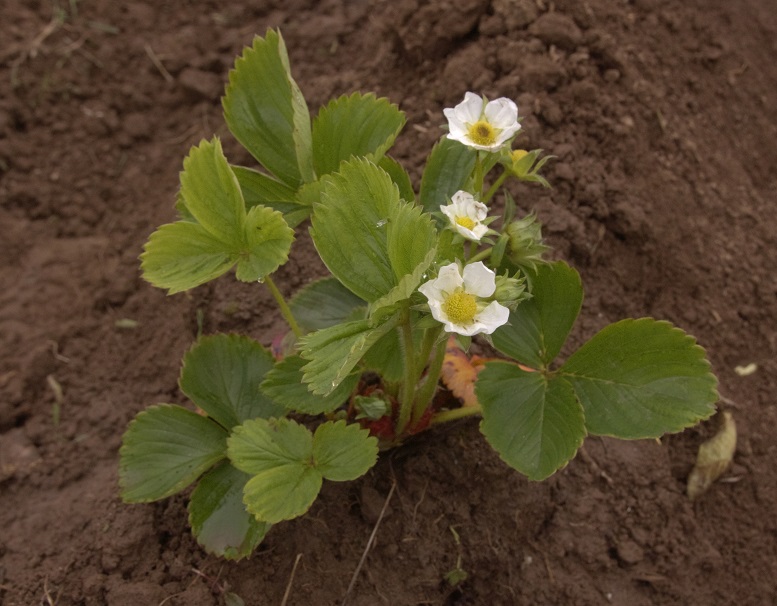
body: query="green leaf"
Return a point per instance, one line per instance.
(349, 227)
(535, 423)
(641, 379)
(263, 190)
(212, 193)
(185, 254)
(265, 111)
(164, 449)
(261, 444)
(284, 384)
(218, 518)
(333, 352)
(268, 242)
(282, 493)
(359, 125)
(323, 303)
(179, 256)
(343, 452)
(399, 176)
(279, 455)
(538, 328)
(447, 170)
(221, 374)
(407, 285)
(412, 239)
(367, 237)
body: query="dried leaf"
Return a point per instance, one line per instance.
(714, 457)
(458, 373)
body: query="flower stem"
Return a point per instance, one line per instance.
(495, 187)
(481, 255)
(457, 413)
(478, 174)
(285, 309)
(410, 375)
(426, 393)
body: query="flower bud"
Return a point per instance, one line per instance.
(510, 291)
(525, 247)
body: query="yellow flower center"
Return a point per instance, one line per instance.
(482, 133)
(465, 222)
(460, 307)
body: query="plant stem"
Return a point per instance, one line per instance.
(426, 393)
(410, 376)
(285, 309)
(478, 174)
(481, 255)
(495, 187)
(457, 413)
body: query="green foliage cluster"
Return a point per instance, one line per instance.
(366, 354)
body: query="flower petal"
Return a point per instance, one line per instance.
(469, 110)
(457, 129)
(491, 317)
(449, 278)
(479, 280)
(502, 113)
(506, 134)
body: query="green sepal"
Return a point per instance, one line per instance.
(218, 517)
(641, 379)
(164, 449)
(265, 111)
(356, 125)
(221, 374)
(533, 421)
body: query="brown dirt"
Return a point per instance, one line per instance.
(663, 115)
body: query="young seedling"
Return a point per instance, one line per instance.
(361, 370)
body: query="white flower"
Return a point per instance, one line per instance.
(482, 125)
(457, 301)
(466, 215)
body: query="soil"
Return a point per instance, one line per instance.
(663, 117)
